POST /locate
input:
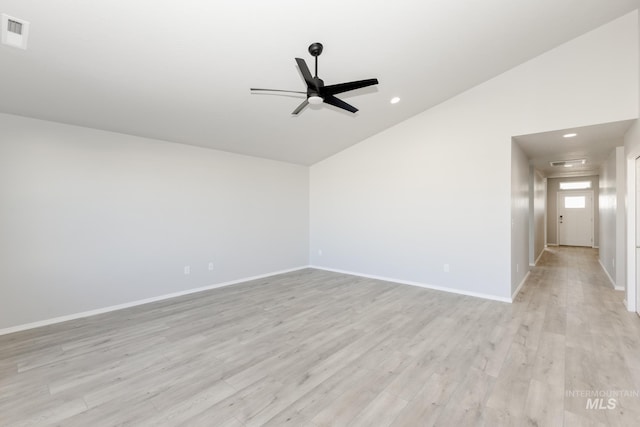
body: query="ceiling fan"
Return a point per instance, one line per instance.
(317, 92)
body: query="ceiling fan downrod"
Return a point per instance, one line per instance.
(315, 49)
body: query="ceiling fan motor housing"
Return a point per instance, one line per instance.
(315, 49)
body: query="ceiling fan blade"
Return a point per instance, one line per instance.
(253, 89)
(306, 73)
(344, 87)
(301, 107)
(332, 100)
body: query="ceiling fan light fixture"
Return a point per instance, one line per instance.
(395, 100)
(315, 100)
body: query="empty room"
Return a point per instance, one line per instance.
(332, 214)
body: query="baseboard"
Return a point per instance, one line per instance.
(74, 316)
(517, 291)
(533, 264)
(613, 282)
(418, 284)
(552, 244)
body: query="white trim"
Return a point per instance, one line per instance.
(74, 316)
(418, 284)
(517, 291)
(552, 244)
(539, 256)
(613, 282)
(631, 230)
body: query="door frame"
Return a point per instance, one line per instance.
(631, 230)
(593, 223)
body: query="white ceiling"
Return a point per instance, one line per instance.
(592, 143)
(181, 70)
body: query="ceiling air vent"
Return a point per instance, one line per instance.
(14, 31)
(568, 163)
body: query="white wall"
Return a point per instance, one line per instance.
(537, 209)
(632, 151)
(435, 189)
(91, 219)
(607, 211)
(612, 217)
(519, 216)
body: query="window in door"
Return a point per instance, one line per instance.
(574, 202)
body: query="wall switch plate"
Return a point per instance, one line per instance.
(320, 252)
(210, 266)
(187, 269)
(446, 268)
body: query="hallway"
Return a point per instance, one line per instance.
(586, 345)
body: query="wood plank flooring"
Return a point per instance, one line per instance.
(314, 348)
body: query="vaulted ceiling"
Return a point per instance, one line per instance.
(181, 70)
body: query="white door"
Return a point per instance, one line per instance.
(575, 218)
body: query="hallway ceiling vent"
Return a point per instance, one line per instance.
(568, 163)
(14, 31)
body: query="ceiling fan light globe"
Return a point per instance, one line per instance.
(315, 100)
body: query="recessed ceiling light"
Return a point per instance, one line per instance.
(395, 100)
(569, 135)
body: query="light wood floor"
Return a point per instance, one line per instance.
(314, 348)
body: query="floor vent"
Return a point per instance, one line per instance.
(14, 31)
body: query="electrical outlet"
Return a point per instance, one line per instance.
(446, 268)
(210, 266)
(517, 268)
(187, 270)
